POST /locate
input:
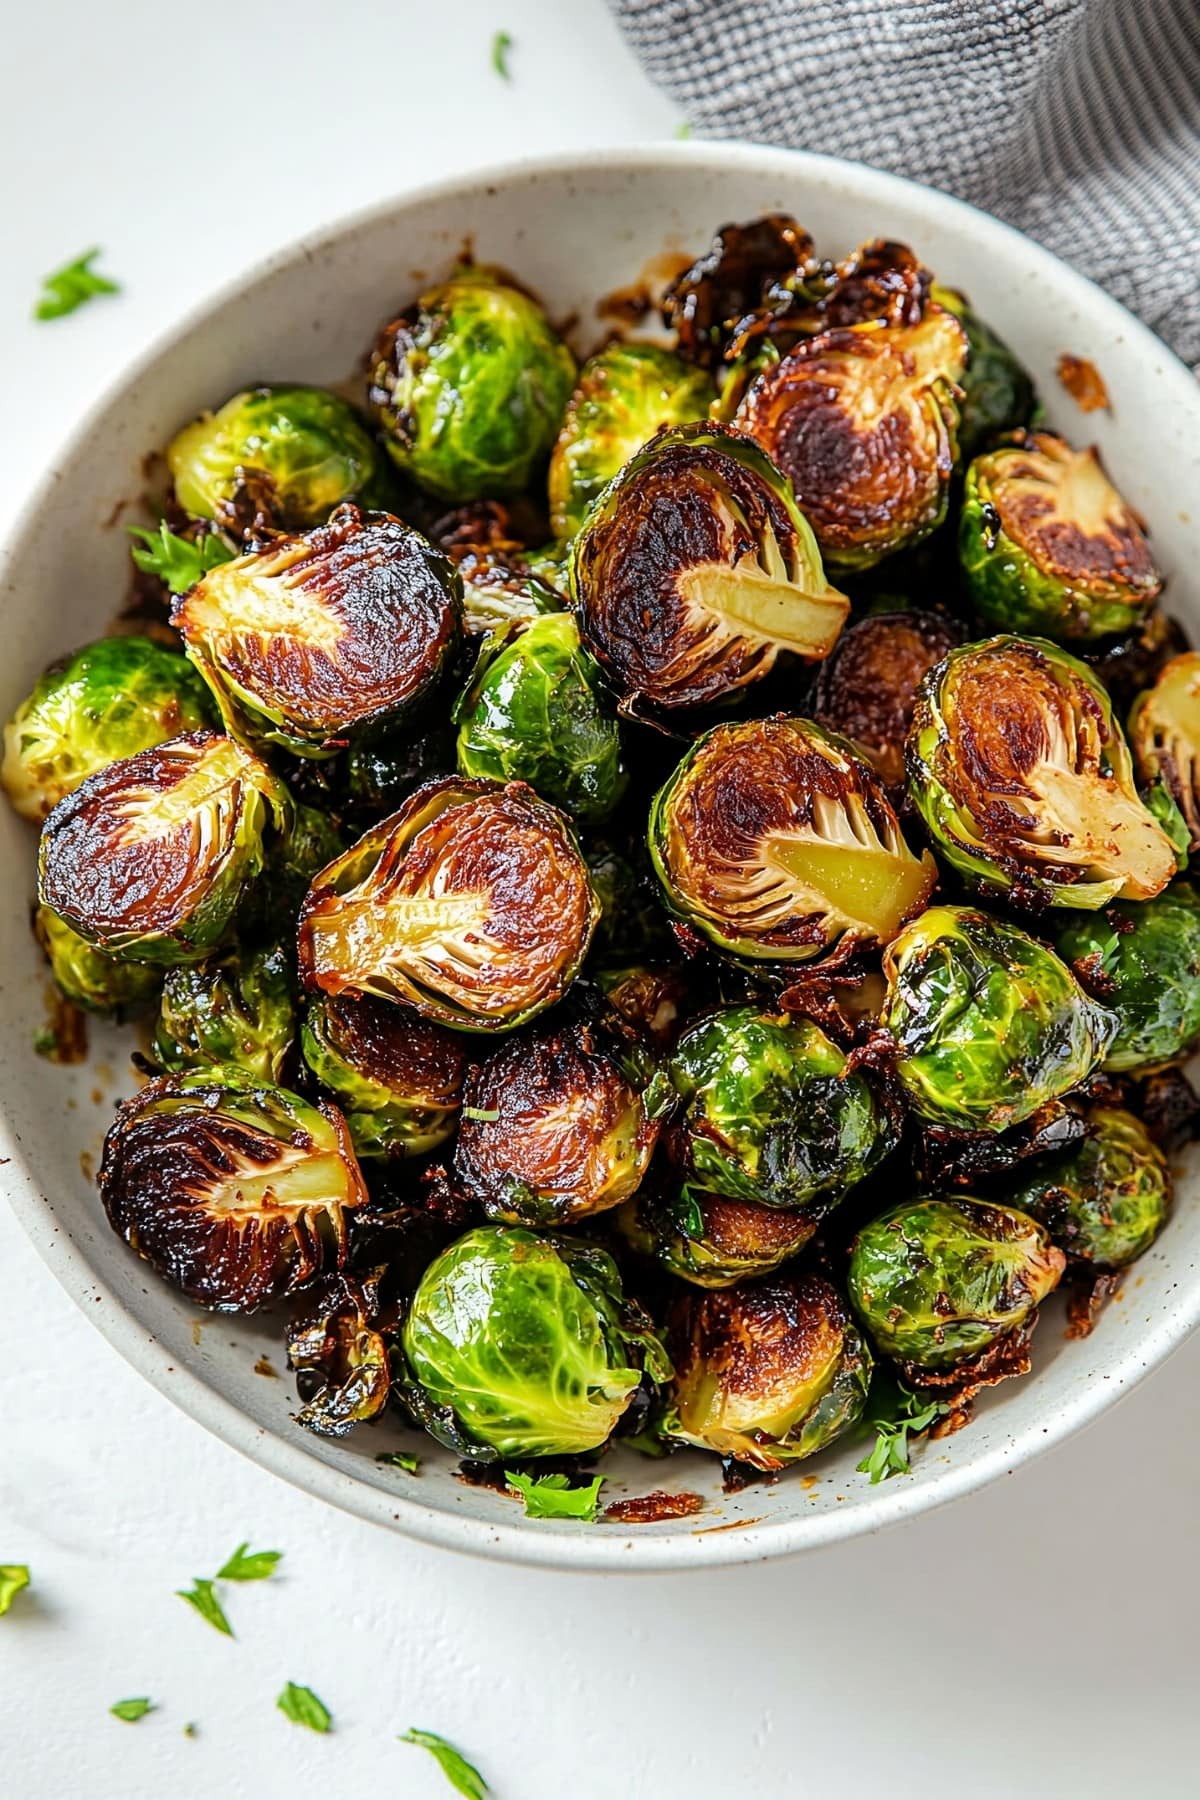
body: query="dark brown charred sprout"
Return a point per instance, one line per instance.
(654, 1000)
(694, 570)
(866, 689)
(472, 904)
(340, 1356)
(233, 1190)
(749, 270)
(397, 1078)
(1164, 728)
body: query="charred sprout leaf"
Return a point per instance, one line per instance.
(1142, 959)
(749, 273)
(501, 45)
(527, 1342)
(1164, 728)
(989, 1024)
(132, 1710)
(325, 635)
(896, 1415)
(110, 700)
(767, 1372)
(13, 1577)
(71, 287)
(713, 1241)
(90, 977)
(653, 1000)
(463, 1777)
(936, 1282)
(997, 390)
(1025, 782)
(150, 857)
(624, 395)
(233, 1190)
(236, 1010)
(341, 1357)
(535, 712)
(551, 1496)
(1049, 546)
(1106, 1201)
(202, 1595)
(250, 1565)
(471, 904)
(302, 1707)
(866, 689)
(694, 569)
(862, 422)
(400, 1459)
(775, 842)
(772, 1113)
(397, 1078)
(177, 562)
(276, 457)
(468, 388)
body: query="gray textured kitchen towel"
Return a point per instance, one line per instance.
(1076, 120)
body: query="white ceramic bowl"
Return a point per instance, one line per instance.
(574, 230)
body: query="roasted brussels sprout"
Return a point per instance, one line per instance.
(624, 395)
(695, 568)
(862, 421)
(1049, 546)
(503, 581)
(233, 1011)
(866, 688)
(312, 840)
(397, 1079)
(471, 903)
(89, 977)
(1143, 961)
(1106, 1201)
(775, 842)
(325, 635)
(468, 387)
(653, 1000)
(989, 1024)
(117, 697)
(997, 390)
(523, 1345)
(712, 1241)
(150, 857)
(534, 712)
(768, 1372)
(498, 594)
(771, 1112)
(1025, 783)
(280, 457)
(559, 1123)
(233, 1190)
(341, 1359)
(1164, 728)
(749, 271)
(937, 1282)
(632, 923)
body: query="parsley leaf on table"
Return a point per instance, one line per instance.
(501, 45)
(202, 1595)
(249, 1565)
(302, 1707)
(72, 286)
(462, 1775)
(131, 1710)
(13, 1577)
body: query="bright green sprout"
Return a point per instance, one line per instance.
(178, 562)
(302, 1707)
(235, 1010)
(1143, 958)
(552, 1496)
(1107, 1199)
(88, 976)
(463, 1777)
(72, 286)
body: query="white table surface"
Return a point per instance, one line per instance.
(1036, 1640)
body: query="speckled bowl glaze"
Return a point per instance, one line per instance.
(575, 230)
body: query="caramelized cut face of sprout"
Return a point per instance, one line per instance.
(775, 842)
(1164, 727)
(867, 689)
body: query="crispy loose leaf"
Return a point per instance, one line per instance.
(462, 1775)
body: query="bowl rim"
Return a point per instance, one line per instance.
(522, 1542)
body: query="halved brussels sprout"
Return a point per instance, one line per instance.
(937, 1282)
(116, 697)
(1164, 728)
(559, 1123)
(341, 1360)
(624, 395)
(997, 390)
(1025, 782)
(1106, 1201)
(1048, 545)
(324, 635)
(468, 387)
(397, 1079)
(471, 903)
(767, 1372)
(775, 842)
(233, 1011)
(710, 1240)
(1143, 961)
(866, 689)
(150, 857)
(281, 457)
(523, 1345)
(989, 1024)
(233, 1190)
(695, 568)
(771, 1111)
(90, 977)
(534, 712)
(862, 421)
